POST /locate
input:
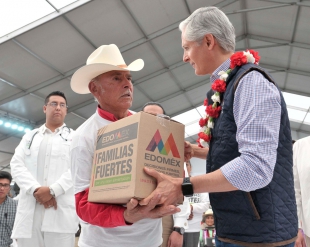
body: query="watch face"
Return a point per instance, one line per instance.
(182, 230)
(187, 189)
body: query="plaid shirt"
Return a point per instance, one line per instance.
(7, 217)
(257, 113)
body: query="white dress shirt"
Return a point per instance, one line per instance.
(301, 168)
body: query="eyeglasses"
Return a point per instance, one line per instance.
(4, 186)
(55, 104)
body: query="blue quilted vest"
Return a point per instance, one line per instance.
(268, 215)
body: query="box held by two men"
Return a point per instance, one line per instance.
(126, 146)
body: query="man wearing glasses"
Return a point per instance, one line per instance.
(7, 209)
(46, 211)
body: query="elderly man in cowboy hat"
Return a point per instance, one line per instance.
(108, 79)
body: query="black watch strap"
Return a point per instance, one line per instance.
(180, 230)
(187, 187)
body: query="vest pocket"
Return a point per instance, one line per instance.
(252, 205)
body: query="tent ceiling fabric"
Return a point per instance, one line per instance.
(44, 58)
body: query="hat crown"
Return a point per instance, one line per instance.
(104, 59)
(106, 54)
(209, 212)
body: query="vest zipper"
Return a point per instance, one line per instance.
(257, 216)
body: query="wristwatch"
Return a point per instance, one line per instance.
(187, 187)
(52, 192)
(180, 230)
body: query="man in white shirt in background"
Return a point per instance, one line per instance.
(301, 168)
(46, 214)
(199, 203)
(174, 226)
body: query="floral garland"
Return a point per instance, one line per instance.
(219, 87)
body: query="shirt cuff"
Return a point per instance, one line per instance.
(180, 222)
(58, 190)
(33, 188)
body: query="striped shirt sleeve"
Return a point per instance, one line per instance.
(257, 112)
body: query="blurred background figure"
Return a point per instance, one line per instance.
(301, 169)
(16, 189)
(7, 210)
(207, 232)
(154, 108)
(199, 203)
(173, 225)
(208, 220)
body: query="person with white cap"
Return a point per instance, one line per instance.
(108, 79)
(40, 166)
(207, 232)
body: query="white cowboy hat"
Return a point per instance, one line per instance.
(104, 59)
(209, 212)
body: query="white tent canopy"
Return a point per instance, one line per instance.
(40, 55)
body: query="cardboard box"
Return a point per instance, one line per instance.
(125, 147)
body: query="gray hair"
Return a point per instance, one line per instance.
(96, 79)
(209, 20)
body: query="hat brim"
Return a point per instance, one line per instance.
(81, 78)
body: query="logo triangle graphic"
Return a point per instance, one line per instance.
(164, 149)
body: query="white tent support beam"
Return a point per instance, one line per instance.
(4, 167)
(160, 58)
(5, 152)
(187, 7)
(225, 3)
(245, 26)
(292, 40)
(298, 3)
(37, 57)
(303, 121)
(43, 20)
(12, 85)
(74, 27)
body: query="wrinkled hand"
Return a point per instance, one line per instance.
(188, 151)
(42, 194)
(300, 241)
(50, 203)
(168, 187)
(136, 212)
(175, 240)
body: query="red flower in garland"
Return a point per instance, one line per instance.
(204, 136)
(255, 55)
(219, 86)
(238, 59)
(213, 112)
(203, 122)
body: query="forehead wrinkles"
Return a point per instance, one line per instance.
(57, 99)
(113, 73)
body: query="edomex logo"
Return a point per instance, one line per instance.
(163, 149)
